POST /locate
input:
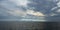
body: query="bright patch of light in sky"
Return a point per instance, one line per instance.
(58, 11)
(58, 4)
(37, 20)
(20, 2)
(31, 12)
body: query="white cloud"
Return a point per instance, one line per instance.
(20, 2)
(11, 9)
(54, 8)
(16, 11)
(53, 14)
(58, 4)
(31, 12)
(58, 11)
(52, 0)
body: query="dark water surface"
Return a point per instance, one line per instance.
(21, 25)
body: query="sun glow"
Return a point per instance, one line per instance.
(35, 13)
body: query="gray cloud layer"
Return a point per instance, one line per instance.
(9, 9)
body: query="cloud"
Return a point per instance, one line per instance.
(58, 11)
(58, 4)
(43, 6)
(19, 2)
(20, 9)
(10, 10)
(17, 12)
(13, 8)
(32, 12)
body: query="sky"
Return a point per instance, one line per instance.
(29, 9)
